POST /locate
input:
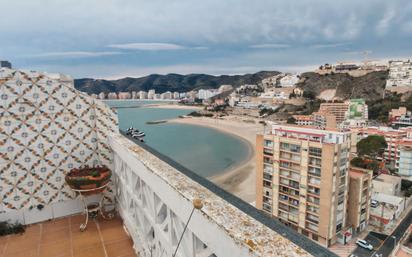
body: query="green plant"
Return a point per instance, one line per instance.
(7, 228)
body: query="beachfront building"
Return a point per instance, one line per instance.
(47, 128)
(102, 96)
(176, 95)
(142, 95)
(360, 190)
(124, 95)
(166, 95)
(302, 179)
(112, 95)
(205, 94)
(151, 94)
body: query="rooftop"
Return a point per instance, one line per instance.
(62, 238)
(388, 179)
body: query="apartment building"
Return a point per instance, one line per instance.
(303, 120)
(340, 110)
(302, 179)
(404, 163)
(360, 184)
(400, 75)
(324, 120)
(392, 137)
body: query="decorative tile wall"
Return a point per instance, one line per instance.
(47, 127)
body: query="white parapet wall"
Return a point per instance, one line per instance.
(155, 201)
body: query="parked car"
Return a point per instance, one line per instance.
(364, 244)
(374, 203)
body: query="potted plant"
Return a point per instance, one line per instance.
(88, 178)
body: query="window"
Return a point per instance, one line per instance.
(268, 143)
(315, 151)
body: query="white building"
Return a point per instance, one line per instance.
(166, 95)
(387, 184)
(151, 94)
(400, 74)
(176, 95)
(289, 80)
(112, 95)
(207, 93)
(224, 88)
(124, 95)
(142, 95)
(102, 96)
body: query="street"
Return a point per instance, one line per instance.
(384, 249)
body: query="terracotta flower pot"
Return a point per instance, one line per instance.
(88, 178)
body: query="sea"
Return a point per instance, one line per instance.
(205, 151)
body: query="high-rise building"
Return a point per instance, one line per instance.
(404, 164)
(302, 179)
(5, 64)
(360, 185)
(142, 95)
(151, 94)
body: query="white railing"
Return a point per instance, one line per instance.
(155, 201)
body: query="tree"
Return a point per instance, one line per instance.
(358, 162)
(371, 146)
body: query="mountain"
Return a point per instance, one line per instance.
(169, 82)
(343, 86)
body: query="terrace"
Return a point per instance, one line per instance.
(62, 238)
(48, 128)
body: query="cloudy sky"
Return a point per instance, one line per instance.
(111, 39)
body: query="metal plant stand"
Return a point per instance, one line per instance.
(93, 209)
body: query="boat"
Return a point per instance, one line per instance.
(138, 134)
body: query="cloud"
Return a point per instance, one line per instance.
(384, 24)
(75, 54)
(328, 45)
(148, 46)
(269, 46)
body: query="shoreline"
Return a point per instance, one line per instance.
(240, 179)
(172, 106)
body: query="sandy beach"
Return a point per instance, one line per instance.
(173, 106)
(239, 180)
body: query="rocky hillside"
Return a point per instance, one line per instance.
(344, 86)
(169, 82)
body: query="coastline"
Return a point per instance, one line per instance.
(172, 106)
(239, 180)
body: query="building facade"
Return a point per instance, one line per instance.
(302, 179)
(404, 165)
(360, 185)
(400, 74)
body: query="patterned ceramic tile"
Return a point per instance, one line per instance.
(47, 128)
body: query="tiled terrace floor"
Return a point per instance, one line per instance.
(62, 238)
